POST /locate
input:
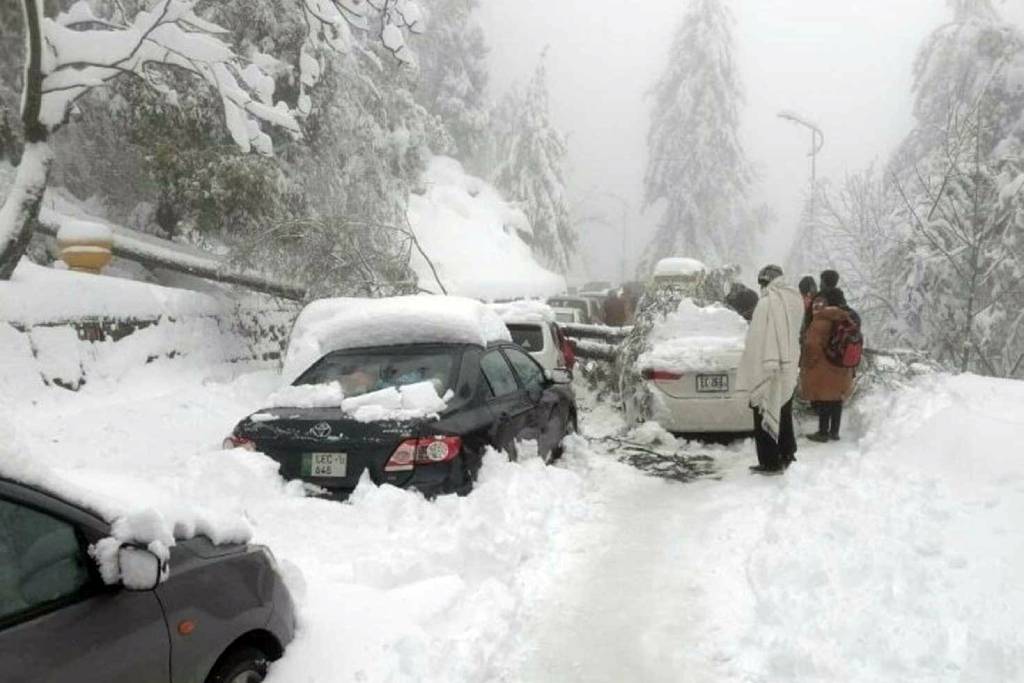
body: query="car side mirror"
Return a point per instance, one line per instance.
(559, 376)
(141, 570)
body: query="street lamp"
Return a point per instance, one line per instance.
(817, 142)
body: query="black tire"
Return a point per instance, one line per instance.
(244, 664)
(571, 427)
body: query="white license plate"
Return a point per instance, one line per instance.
(325, 464)
(713, 383)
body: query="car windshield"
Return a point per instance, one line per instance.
(530, 337)
(361, 372)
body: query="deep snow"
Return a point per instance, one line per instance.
(892, 558)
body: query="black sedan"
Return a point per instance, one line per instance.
(495, 396)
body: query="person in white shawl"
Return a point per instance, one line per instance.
(770, 368)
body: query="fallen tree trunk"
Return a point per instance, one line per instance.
(591, 350)
(602, 332)
(205, 267)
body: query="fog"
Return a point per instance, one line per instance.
(844, 64)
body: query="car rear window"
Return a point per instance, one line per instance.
(580, 305)
(361, 372)
(530, 337)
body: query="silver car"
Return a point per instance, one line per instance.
(221, 615)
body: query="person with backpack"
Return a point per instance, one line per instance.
(831, 352)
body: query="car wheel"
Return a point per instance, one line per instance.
(571, 427)
(241, 665)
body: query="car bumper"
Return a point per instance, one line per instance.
(702, 415)
(430, 480)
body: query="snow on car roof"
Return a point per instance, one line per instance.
(135, 517)
(678, 265)
(524, 312)
(350, 323)
(695, 338)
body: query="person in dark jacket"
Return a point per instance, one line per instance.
(808, 290)
(742, 299)
(615, 313)
(822, 383)
(829, 280)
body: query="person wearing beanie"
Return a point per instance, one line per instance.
(769, 369)
(829, 279)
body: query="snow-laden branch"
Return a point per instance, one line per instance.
(83, 51)
(329, 24)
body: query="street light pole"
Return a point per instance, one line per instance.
(817, 142)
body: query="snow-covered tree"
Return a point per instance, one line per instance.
(960, 178)
(453, 75)
(859, 228)
(531, 160)
(68, 56)
(697, 170)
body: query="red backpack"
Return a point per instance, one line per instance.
(845, 346)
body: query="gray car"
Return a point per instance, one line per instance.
(221, 615)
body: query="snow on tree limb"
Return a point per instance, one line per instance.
(82, 52)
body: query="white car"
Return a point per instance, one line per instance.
(568, 316)
(533, 325)
(688, 369)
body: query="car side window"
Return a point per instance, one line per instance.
(499, 375)
(529, 371)
(41, 560)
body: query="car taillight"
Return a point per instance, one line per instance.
(238, 442)
(426, 451)
(661, 375)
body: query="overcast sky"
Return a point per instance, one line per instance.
(845, 64)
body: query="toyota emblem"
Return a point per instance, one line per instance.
(320, 430)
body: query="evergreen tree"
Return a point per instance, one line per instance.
(697, 168)
(532, 156)
(453, 77)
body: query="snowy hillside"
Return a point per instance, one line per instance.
(471, 236)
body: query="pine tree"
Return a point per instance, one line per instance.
(532, 156)
(697, 168)
(453, 80)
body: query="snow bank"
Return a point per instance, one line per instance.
(895, 560)
(524, 311)
(472, 237)
(345, 323)
(37, 295)
(695, 338)
(397, 588)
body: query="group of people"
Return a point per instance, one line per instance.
(787, 351)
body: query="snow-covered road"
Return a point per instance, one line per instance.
(895, 557)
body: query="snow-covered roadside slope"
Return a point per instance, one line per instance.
(470, 234)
